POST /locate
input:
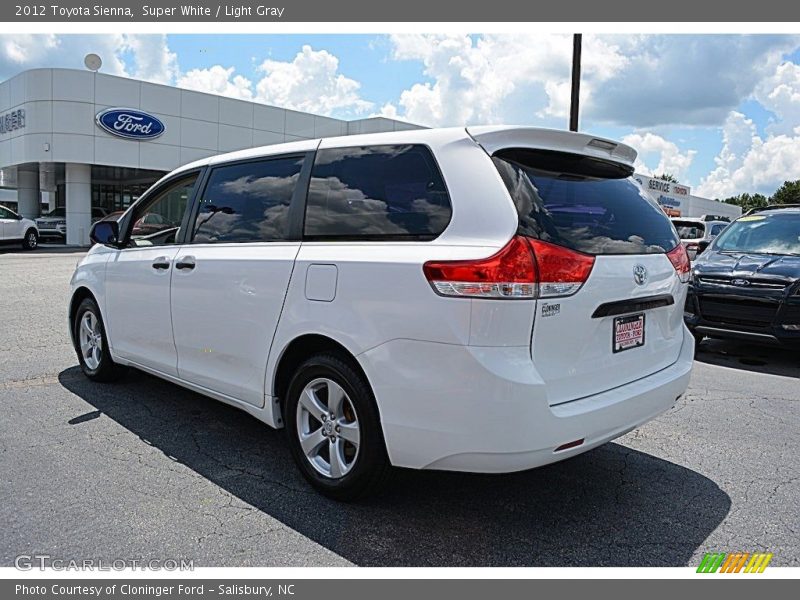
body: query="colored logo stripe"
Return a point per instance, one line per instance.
(734, 562)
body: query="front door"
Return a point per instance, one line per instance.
(10, 225)
(138, 279)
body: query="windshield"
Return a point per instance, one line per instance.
(57, 212)
(777, 233)
(689, 230)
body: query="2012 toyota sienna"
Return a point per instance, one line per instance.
(487, 299)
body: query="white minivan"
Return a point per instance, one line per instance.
(487, 299)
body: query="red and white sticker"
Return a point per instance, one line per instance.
(628, 332)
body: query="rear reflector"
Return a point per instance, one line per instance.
(523, 269)
(569, 445)
(680, 260)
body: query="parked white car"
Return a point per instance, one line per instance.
(15, 228)
(697, 233)
(488, 300)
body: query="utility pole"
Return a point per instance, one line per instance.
(576, 82)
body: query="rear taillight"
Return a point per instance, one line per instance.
(680, 260)
(523, 269)
(510, 273)
(562, 272)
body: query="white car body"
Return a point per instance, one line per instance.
(691, 226)
(13, 227)
(464, 384)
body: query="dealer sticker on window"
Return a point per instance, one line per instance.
(628, 332)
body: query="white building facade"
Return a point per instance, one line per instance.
(57, 149)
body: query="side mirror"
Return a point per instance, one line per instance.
(701, 246)
(19, 217)
(106, 233)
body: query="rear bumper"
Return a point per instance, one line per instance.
(484, 409)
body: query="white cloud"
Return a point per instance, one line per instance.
(750, 163)
(685, 80)
(780, 93)
(128, 55)
(310, 82)
(486, 80)
(658, 155)
(638, 81)
(217, 80)
(28, 51)
(152, 58)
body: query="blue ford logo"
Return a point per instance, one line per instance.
(740, 282)
(130, 123)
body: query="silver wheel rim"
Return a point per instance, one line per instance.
(32, 240)
(328, 428)
(91, 340)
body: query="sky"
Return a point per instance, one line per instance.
(720, 112)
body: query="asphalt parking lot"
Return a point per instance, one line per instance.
(145, 469)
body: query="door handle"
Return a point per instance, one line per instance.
(161, 263)
(187, 262)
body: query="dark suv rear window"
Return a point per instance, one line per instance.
(585, 204)
(376, 193)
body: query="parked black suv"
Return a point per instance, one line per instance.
(746, 284)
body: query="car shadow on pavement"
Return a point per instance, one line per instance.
(613, 506)
(749, 357)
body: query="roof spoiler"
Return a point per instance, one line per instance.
(494, 138)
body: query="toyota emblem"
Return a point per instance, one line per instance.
(640, 274)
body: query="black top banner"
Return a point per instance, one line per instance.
(778, 11)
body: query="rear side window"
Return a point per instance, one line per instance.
(583, 204)
(376, 193)
(690, 230)
(247, 202)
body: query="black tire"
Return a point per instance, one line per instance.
(31, 240)
(371, 467)
(106, 369)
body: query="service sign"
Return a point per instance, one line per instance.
(130, 123)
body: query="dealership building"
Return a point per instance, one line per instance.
(677, 200)
(80, 139)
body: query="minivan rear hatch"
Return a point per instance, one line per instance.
(626, 321)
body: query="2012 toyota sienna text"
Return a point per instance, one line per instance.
(487, 299)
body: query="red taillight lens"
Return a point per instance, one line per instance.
(562, 272)
(508, 274)
(524, 269)
(680, 260)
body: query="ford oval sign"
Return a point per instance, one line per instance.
(130, 123)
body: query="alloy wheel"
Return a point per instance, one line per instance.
(328, 428)
(91, 340)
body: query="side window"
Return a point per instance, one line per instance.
(5, 214)
(717, 229)
(376, 192)
(247, 202)
(157, 222)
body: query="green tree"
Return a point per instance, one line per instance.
(667, 177)
(748, 201)
(788, 193)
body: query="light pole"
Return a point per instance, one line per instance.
(576, 82)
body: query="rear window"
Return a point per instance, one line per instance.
(689, 230)
(376, 193)
(582, 203)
